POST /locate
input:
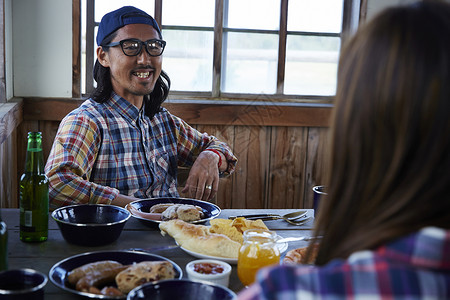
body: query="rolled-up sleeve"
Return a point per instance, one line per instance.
(191, 142)
(70, 163)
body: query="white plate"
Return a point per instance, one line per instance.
(282, 247)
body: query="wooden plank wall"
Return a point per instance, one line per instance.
(10, 119)
(278, 165)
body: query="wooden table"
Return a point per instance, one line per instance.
(42, 256)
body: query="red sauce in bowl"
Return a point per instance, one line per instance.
(208, 268)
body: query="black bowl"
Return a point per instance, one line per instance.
(59, 272)
(91, 224)
(18, 284)
(181, 289)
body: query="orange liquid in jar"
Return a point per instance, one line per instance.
(253, 255)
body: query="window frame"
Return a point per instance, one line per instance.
(354, 12)
(2, 55)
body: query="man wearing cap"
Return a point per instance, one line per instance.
(120, 144)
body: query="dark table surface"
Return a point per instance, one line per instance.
(42, 256)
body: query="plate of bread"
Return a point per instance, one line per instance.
(111, 274)
(221, 240)
(153, 211)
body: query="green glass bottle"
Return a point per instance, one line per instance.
(33, 200)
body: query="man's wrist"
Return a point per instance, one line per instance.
(219, 164)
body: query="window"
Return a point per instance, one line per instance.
(241, 49)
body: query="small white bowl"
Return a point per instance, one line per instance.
(222, 278)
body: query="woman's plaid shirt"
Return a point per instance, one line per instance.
(416, 267)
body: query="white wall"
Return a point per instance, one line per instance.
(8, 50)
(41, 48)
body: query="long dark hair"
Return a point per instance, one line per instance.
(390, 154)
(102, 92)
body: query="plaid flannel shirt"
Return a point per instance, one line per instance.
(101, 150)
(413, 267)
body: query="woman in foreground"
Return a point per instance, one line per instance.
(386, 221)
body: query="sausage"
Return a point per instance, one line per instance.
(76, 274)
(98, 279)
(138, 213)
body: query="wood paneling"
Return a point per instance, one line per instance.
(280, 148)
(287, 166)
(206, 112)
(8, 172)
(251, 147)
(315, 162)
(225, 134)
(10, 117)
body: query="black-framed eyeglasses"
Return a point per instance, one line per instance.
(133, 47)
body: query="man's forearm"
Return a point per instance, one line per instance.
(122, 200)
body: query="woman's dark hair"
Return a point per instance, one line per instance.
(389, 158)
(102, 92)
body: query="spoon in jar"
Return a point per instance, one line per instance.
(297, 239)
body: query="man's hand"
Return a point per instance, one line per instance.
(203, 179)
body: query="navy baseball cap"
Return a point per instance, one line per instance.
(121, 17)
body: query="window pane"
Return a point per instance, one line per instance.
(188, 58)
(103, 7)
(186, 13)
(254, 14)
(315, 16)
(251, 63)
(311, 65)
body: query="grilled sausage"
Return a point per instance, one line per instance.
(76, 274)
(98, 279)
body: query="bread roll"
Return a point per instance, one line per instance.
(189, 213)
(159, 208)
(296, 256)
(143, 272)
(197, 238)
(170, 213)
(185, 212)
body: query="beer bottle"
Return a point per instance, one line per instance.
(33, 199)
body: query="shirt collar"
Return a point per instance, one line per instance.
(125, 108)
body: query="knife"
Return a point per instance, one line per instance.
(154, 249)
(264, 217)
(253, 216)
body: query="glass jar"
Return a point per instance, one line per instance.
(258, 250)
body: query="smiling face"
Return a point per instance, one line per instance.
(132, 77)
